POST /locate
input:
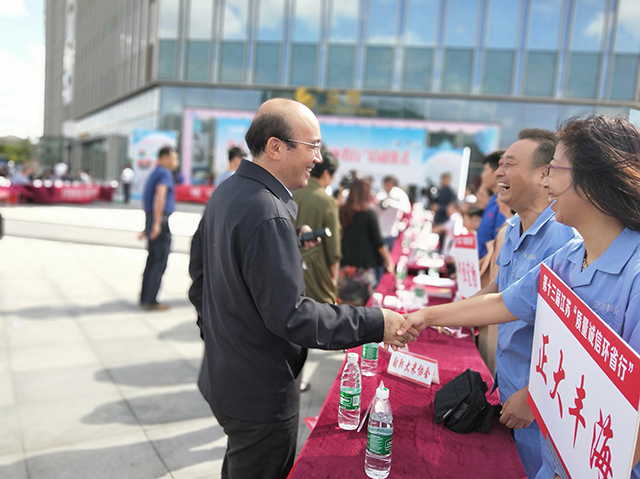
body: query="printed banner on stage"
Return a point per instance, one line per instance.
(465, 252)
(144, 153)
(584, 388)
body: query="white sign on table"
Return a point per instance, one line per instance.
(584, 386)
(414, 367)
(465, 252)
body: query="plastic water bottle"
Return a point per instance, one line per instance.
(377, 459)
(350, 388)
(369, 361)
(401, 271)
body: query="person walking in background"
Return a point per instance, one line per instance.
(492, 219)
(236, 155)
(159, 203)
(442, 198)
(391, 204)
(248, 291)
(126, 178)
(362, 245)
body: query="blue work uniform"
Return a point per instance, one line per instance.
(490, 223)
(610, 286)
(519, 254)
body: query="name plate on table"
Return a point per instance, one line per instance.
(414, 367)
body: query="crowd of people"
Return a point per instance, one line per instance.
(27, 172)
(568, 198)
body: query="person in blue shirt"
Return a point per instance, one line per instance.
(159, 203)
(492, 219)
(593, 183)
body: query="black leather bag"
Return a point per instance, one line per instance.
(462, 404)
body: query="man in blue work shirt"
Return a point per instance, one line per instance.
(532, 235)
(159, 203)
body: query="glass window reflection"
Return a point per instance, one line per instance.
(382, 22)
(340, 67)
(378, 68)
(545, 24)
(502, 24)
(417, 69)
(270, 20)
(167, 50)
(303, 65)
(235, 20)
(583, 75)
(498, 72)
(344, 21)
(197, 60)
(623, 80)
(267, 61)
(628, 33)
(306, 27)
(168, 21)
(421, 18)
(461, 23)
(231, 62)
(540, 71)
(200, 18)
(457, 70)
(588, 25)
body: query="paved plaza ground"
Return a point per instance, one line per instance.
(91, 386)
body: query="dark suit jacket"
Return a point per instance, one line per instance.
(248, 290)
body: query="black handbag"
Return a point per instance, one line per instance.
(462, 404)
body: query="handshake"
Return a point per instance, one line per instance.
(399, 329)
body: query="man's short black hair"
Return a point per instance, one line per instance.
(236, 152)
(166, 150)
(329, 163)
(264, 127)
(493, 159)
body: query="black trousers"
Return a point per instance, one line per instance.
(258, 450)
(158, 249)
(126, 187)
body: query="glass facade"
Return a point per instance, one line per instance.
(517, 63)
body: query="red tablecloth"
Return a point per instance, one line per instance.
(60, 193)
(193, 193)
(421, 448)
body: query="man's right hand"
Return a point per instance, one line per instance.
(156, 229)
(392, 323)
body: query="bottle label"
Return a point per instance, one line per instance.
(379, 440)
(349, 400)
(370, 351)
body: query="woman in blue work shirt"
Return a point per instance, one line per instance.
(594, 180)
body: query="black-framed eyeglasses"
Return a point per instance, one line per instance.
(315, 146)
(552, 167)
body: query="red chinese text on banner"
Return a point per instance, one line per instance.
(584, 388)
(465, 252)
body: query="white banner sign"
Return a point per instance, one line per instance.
(465, 252)
(584, 386)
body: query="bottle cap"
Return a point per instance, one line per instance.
(382, 393)
(352, 358)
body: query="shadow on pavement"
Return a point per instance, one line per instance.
(160, 408)
(165, 373)
(74, 310)
(138, 460)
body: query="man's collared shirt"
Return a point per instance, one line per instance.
(519, 254)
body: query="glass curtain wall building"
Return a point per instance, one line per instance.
(113, 67)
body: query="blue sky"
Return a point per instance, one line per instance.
(22, 55)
